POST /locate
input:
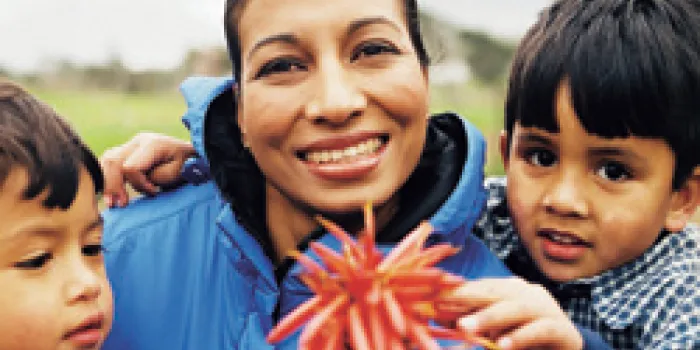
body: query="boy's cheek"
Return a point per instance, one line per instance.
(25, 325)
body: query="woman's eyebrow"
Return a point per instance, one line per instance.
(287, 38)
(358, 24)
(290, 38)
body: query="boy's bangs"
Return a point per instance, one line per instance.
(35, 138)
(621, 84)
(61, 177)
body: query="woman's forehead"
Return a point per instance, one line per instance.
(262, 18)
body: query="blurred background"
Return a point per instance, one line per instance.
(112, 67)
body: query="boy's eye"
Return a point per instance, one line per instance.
(93, 249)
(280, 65)
(540, 157)
(614, 171)
(373, 49)
(34, 263)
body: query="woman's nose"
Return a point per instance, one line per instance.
(336, 97)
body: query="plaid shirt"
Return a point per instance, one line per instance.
(652, 302)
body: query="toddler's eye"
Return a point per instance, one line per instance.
(541, 157)
(35, 262)
(373, 49)
(614, 171)
(93, 250)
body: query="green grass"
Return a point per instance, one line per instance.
(105, 119)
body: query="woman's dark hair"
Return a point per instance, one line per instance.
(34, 138)
(632, 67)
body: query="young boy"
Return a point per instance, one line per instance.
(601, 151)
(54, 292)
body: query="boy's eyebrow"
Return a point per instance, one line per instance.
(99, 221)
(46, 231)
(615, 152)
(534, 138)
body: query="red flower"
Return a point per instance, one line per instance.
(373, 302)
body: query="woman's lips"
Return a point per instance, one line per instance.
(353, 158)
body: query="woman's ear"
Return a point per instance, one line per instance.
(503, 148)
(684, 203)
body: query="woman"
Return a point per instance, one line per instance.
(330, 112)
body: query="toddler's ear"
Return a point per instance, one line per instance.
(684, 203)
(503, 148)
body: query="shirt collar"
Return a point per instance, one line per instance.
(621, 295)
(618, 296)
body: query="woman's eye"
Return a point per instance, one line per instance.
(374, 49)
(93, 250)
(614, 171)
(280, 65)
(34, 263)
(540, 157)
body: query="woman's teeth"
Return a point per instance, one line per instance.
(363, 148)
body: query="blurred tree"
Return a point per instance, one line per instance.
(209, 62)
(4, 73)
(488, 58)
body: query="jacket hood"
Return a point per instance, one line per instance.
(446, 187)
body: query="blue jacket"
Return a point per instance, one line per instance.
(187, 275)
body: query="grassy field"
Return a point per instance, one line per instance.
(106, 119)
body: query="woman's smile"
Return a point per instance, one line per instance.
(344, 158)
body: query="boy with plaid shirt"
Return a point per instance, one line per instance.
(601, 140)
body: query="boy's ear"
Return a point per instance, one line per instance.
(684, 203)
(503, 148)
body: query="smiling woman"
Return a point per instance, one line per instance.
(330, 112)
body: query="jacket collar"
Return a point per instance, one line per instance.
(452, 162)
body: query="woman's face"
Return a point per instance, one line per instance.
(333, 101)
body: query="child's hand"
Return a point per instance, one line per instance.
(514, 313)
(146, 162)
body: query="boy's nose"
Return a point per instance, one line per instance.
(335, 96)
(566, 197)
(84, 284)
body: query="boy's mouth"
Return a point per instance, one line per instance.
(88, 333)
(563, 246)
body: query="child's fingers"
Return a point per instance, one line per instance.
(500, 317)
(157, 161)
(480, 293)
(138, 165)
(543, 333)
(112, 162)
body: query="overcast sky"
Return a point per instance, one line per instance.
(148, 34)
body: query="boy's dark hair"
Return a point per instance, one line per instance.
(633, 67)
(34, 137)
